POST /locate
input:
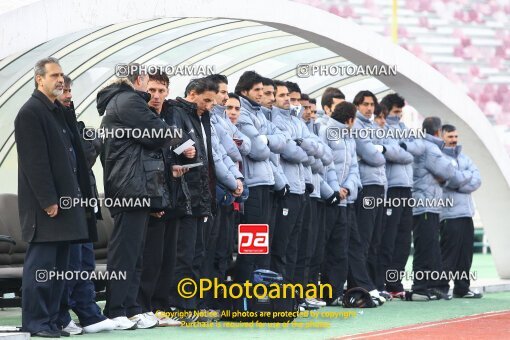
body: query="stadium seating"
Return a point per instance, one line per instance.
(467, 41)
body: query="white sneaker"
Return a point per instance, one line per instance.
(151, 316)
(101, 326)
(378, 299)
(168, 322)
(123, 323)
(318, 302)
(143, 321)
(73, 329)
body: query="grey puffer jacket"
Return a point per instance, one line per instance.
(371, 162)
(433, 171)
(461, 197)
(253, 124)
(293, 156)
(399, 164)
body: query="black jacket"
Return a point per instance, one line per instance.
(91, 149)
(46, 173)
(200, 181)
(133, 167)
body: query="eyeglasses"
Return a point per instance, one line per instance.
(231, 107)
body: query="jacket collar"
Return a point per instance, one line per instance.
(283, 112)
(267, 112)
(435, 140)
(393, 120)
(452, 151)
(186, 104)
(42, 97)
(249, 104)
(218, 110)
(363, 118)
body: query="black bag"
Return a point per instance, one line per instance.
(265, 309)
(358, 298)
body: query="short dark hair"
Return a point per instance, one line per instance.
(40, 67)
(218, 78)
(381, 109)
(279, 83)
(313, 101)
(160, 77)
(247, 80)
(431, 125)
(267, 82)
(393, 99)
(358, 99)
(343, 112)
(448, 128)
(329, 94)
(304, 96)
(201, 85)
(68, 82)
(293, 87)
(134, 71)
(235, 96)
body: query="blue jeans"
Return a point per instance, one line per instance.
(80, 295)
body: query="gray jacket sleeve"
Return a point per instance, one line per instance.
(366, 150)
(396, 154)
(228, 143)
(331, 178)
(245, 148)
(280, 180)
(441, 167)
(476, 180)
(277, 139)
(309, 144)
(223, 175)
(259, 150)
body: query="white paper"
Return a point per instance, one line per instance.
(187, 144)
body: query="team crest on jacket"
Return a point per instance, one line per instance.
(285, 211)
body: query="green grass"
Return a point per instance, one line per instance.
(392, 314)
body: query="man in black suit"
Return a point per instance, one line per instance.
(51, 166)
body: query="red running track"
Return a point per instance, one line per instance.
(492, 325)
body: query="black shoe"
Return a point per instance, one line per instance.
(64, 333)
(469, 295)
(439, 294)
(47, 334)
(417, 295)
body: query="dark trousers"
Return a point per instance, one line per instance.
(370, 226)
(335, 265)
(125, 254)
(318, 250)
(257, 209)
(225, 242)
(289, 219)
(41, 296)
(188, 259)
(457, 237)
(307, 241)
(158, 262)
(427, 253)
(358, 274)
(396, 240)
(80, 295)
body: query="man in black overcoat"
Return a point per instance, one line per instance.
(52, 176)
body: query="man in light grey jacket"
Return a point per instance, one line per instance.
(265, 138)
(456, 227)
(396, 239)
(372, 161)
(433, 171)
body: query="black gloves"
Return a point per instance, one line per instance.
(403, 145)
(284, 191)
(298, 141)
(333, 199)
(309, 188)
